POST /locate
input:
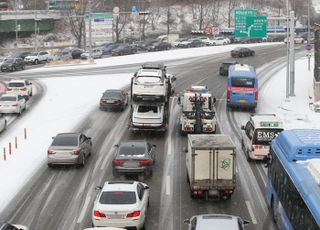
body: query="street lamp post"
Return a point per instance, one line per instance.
(287, 67)
(90, 33)
(16, 24)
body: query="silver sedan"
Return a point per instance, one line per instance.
(69, 149)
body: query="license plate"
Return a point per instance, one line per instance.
(109, 101)
(242, 101)
(148, 86)
(115, 216)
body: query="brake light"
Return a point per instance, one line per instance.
(256, 95)
(134, 214)
(50, 152)
(228, 93)
(9, 89)
(257, 146)
(76, 152)
(24, 89)
(118, 162)
(98, 214)
(144, 162)
(15, 104)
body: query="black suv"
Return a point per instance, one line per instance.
(224, 68)
(13, 64)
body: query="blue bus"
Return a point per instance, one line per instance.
(293, 186)
(242, 86)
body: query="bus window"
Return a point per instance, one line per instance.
(242, 82)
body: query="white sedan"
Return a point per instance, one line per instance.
(218, 41)
(12, 103)
(121, 204)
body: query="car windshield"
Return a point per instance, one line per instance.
(242, 82)
(7, 98)
(16, 84)
(150, 79)
(118, 197)
(132, 150)
(112, 94)
(9, 60)
(33, 54)
(65, 140)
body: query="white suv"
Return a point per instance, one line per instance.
(36, 58)
(20, 87)
(121, 204)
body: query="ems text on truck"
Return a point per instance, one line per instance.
(211, 163)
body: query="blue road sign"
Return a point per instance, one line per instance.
(134, 9)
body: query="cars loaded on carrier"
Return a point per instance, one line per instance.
(134, 157)
(21, 87)
(13, 64)
(12, 103)
(69, 149)
(242, 52)
(114, 99)
(123, 49)
(216, 221)
(224, 68)
(121, 204)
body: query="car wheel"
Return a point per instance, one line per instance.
(36, 62)
(83, 161)
(13, 68)
(20, 111)
(5, 125)
(50, 165)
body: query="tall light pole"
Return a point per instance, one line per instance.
(16, 23)
(287, 67)
(90, 34)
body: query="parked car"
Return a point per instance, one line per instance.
(205, 40)
(219, 41)
(69, 149)
(107, 49)
(242, 52)
(224, 68)
(7, 226)
(195, 43)
(179, 41)
(12, 103)
(216, 221)
(184, 43)
(36, 58)
(123, 49)
(143, 45)
(2, 59)
(121, 204)
(20, 54)
(157, 46)
(134, 157)
(21, 87)
(114, 99)
(96, 53)
(12, 64)
(74, 52)
(3, 122)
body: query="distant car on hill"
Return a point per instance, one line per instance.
(242, 52)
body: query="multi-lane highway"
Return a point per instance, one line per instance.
(62, 198)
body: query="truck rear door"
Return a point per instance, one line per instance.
(225, 165)
(202, 165)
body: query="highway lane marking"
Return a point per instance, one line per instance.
(168, 185)
(84, 209)
(253, 218)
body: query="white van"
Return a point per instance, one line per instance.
(258, 133)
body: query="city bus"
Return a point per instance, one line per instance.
(242, 88)
(292, 189)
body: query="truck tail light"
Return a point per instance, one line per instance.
(144, 162)
(257, 147)
(98, 214)
(134, 214)
(228, 93)
(118, 162)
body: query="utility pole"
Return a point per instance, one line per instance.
(35, 32)
(308, 34)
(317, 52)
(291, 58)
(16, 24)
(90, 33)
(287, 67)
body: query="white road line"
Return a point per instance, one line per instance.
(253, 218)
(84, 209)
(168, 185)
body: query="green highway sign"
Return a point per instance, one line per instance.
(240, 22)
(256, 26)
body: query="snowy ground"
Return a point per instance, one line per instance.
(67, 108)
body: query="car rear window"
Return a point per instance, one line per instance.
(118, 197)
(147, 109)
(132, 150)
(112, 94)
(65, 140)
(16, 84)
(7, 98)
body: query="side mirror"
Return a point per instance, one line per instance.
(185, 149)
(146, 187)
(116, 146)
(154, 146)
(242, 127)
(246, 222)
(173, 78)
(214, 100)
(98, 188)
(52, 138)
(187, 221)
(179, 100)
(89, 138)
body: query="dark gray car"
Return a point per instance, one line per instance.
(134, 157)
(114, 99)
(69, 149)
